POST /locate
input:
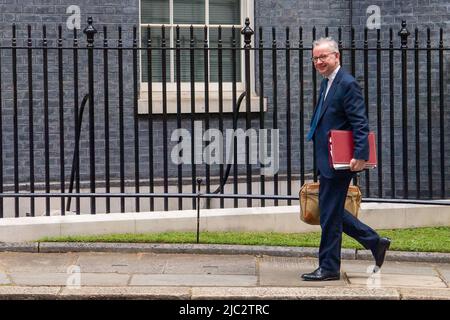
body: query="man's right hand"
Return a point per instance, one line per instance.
(357, 165)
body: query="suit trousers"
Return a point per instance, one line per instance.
(334, 220)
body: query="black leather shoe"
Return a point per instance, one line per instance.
(380, 254)
(321, 275)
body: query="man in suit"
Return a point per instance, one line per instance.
(341, 107)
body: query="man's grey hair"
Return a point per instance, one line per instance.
(328, 40)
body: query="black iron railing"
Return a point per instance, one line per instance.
(120, 152)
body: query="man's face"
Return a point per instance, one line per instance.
(328, 60)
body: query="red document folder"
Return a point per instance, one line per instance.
(341, 149)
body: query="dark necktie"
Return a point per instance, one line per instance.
(318, 110)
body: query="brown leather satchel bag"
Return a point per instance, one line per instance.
(309, 202)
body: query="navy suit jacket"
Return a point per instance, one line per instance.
(343, 109)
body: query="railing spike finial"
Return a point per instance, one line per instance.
(247, 32)
(404, 34)
(90, 31)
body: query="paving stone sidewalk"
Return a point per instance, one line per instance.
(147, 275)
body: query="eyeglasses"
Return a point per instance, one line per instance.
(321, 58)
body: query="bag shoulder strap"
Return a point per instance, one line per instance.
(357, 179)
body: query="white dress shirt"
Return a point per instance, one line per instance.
(330, 79)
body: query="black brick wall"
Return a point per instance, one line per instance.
(268, 13)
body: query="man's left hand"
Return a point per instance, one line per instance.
(357, 165)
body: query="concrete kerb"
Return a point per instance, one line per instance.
(220, 293)
(432, 257)
(198, 293)
(19, 246)
(347, 254)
